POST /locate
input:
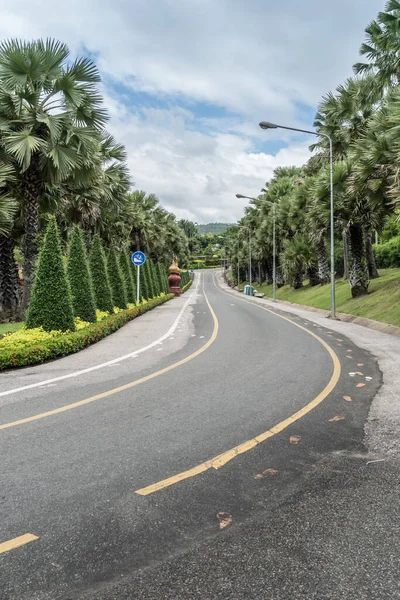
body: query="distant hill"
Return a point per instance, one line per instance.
(213, 227)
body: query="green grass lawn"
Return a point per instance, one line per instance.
(10, 327)
(381, 304)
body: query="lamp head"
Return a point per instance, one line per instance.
(268, 125)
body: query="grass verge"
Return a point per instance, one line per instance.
(382, 303)
(10, 327)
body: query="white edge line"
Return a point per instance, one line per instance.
(109, 362)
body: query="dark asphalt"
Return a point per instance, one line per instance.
(71, 478)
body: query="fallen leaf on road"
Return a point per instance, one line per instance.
(347, 398)
(224, 519)
(340, 344)
(360, 364)
(266, 473)
(360, 385)
(337, 418)
(349, 350)
(359, 373)
(339, 340)
(347, 356)
(294, 439)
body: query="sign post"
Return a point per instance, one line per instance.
(138, 258)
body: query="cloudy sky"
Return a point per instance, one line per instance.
(187, 81)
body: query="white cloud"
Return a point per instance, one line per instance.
(196, 175)
(258, 59)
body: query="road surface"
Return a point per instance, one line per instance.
(109, 475)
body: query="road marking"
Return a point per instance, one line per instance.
(17, 542)
(109, 362)
(127, 386)
(221, 460)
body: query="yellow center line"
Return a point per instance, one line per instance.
(219, 461)
(17, 542)
(127, 386)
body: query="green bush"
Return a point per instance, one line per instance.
(144, 284)
(148, 279)
(127, 273)
(80, 279)
(71, 341)
(387, 255)
(156, 283)
(116, 280)
(187, 286)
(51, 304)
(99, 271)
(164, 278)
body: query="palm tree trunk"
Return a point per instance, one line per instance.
(358, 280)
(313, 276)
(268, 271)
(297, 281)
(323, 267)
(9, 284)
(278, 275)
(32, 188)
(345, 237)
(372, 270)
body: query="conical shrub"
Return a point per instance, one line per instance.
(161, 285)
(148, 278)
(100, 279)
(143, 284)
(164, 276)
(51, 303)
(156, 287)
(116, 280)
(125, 264)
(80, 279)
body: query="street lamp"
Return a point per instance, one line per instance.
(273, 241)
(249, 230)
(267, 125)
(221, 237)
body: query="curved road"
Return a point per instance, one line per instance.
(131, 476)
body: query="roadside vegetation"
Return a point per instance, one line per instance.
(382, 303)
(362, 117)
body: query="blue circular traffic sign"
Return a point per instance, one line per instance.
(138, 258)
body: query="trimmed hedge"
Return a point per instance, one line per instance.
(80, 279)
(127, 273)
(51, 303)
(187, 286)
(116, 279)
(99, 271)
(387, 255)
(73, 341)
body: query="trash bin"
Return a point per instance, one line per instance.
(249, 290)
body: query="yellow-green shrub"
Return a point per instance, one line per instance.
(29, 347)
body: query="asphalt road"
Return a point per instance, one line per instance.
(71, 478)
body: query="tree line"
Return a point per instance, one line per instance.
(57, 160)
(362, 116)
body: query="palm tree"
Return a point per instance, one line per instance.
(298, 256)
(381, 47)
(9, 285)
(50, 115)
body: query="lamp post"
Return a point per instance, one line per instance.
(273, 241)
(221, 237)
(268, 125)
(249, 230)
